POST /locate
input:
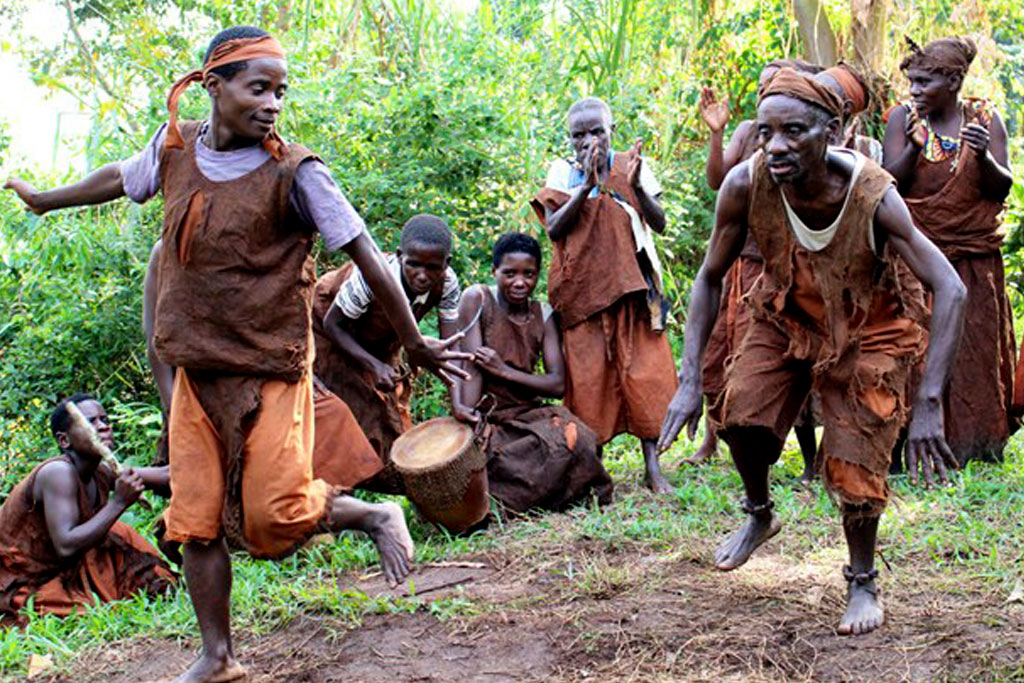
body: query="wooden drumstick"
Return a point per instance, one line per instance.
(107, 456)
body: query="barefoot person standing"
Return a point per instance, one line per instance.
(829, 314)
(242, 208)
(950, 159)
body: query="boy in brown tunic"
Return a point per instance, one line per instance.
(605, 284)
(830, 314)
(358, 352)
(233, 317)
(62, 544)
(950, 159)
(538, 456)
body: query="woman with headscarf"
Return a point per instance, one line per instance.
(949, 157)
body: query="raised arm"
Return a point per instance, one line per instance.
(719, 165)
(431, 354)
(57, 488)
(726, 244)
(650, 207)
(902, 145)
(102, 185)
(993, 156)
(926, 441)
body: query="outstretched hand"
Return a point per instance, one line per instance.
(436, 356)
(636, 161)
(714, 112)
(27, 193)
(927, 447)
(684, 410)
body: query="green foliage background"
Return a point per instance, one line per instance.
(414, 107)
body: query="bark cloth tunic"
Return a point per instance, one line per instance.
(620, 375)
(966, 226)
(233, 316)
(838, 319)
(538, 456)
(382, 415)
(122, 564)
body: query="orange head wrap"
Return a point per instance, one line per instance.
(803, 87)
(228, 52)
(852, 85)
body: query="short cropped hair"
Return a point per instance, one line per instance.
(60, 418)
(516, 243)
(228, 71)
(427, 230)
(590, 103)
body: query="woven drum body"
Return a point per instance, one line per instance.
(444, 471)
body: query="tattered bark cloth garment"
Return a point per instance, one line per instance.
(122, 564)
(382, 415)
(966, 226)
(620, 375)
(236, 276)
(538, 456)
(842, 321)
(242, 463)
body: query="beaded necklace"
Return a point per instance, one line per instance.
(938, 147)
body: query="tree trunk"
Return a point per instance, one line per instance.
(815, 32)
(867, 24)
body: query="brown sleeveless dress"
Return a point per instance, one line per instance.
(122, 564)
(967, 227)
(539, 456)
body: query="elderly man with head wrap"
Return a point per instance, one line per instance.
(829, 314)
(950, 159)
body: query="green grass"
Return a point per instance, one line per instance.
(968, 532)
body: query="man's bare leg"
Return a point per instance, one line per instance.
(754, 450)
(653, 477)
(208, 576)
(385, 524)
(863, 609)
(808, 441)
(708, 448)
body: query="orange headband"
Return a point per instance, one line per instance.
(228, 52)
(851, 86)
(803, 87)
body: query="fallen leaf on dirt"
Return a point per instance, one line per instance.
(39, 664)
(1017, 594)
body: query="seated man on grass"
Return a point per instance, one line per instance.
(538, 455)
(61, 544)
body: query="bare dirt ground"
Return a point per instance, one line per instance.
(594, 612)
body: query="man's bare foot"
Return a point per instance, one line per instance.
(735, 550)
(864, 611)
(386, 526)
(708, 450)
(657, 483)
(210, 669)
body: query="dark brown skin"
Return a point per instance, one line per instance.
(815, 182)
(423, 268)
(516, 279)
(590, 130)
(936, 98)
(56, 486)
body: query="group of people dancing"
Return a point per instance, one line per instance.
(833, 292)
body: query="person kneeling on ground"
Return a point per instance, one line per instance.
(62, 544)
(358, 352)
(538, 456)
(830, 314)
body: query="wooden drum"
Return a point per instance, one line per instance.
(444, 471)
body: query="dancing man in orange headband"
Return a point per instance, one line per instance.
(828, 314)
(242, 207)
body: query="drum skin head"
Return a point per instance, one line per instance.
(430, 445)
